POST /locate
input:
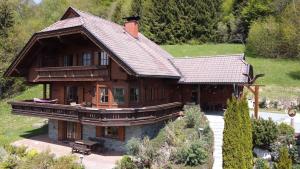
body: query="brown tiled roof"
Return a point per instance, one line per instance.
(217, 69)
(142, 55)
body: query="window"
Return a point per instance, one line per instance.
(119, 95)
(71, 94)
(103, 95)
(104, 59)
(134, 94)
(68, 60)
(111, 132)
(87, 59)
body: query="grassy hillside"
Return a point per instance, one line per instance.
(13, 127)
(282, 76)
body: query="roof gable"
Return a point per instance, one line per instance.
(70, 13)
(142, 56)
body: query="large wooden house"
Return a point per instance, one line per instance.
(107, 81)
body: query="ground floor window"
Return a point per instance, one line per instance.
(111, 132)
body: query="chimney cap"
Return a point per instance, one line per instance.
(132, 18)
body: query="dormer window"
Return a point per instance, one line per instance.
(103, 58)
(87, 59)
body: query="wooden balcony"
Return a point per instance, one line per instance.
(99, 117)
(71, 73)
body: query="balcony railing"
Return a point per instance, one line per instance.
(100, 117)
(71, 73)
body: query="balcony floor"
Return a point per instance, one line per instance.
(41, 143)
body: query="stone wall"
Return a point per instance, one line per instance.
(52, 129)
(150, 130)
(89, 131)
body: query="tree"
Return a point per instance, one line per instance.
(232, 148)
(246, 132)
(237, 138)
(284, 161)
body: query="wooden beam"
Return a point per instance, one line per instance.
(256, 98)
(44, 91)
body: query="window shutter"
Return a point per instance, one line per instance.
(99, 131)
(62, 130)
(121, 133)
(78, 131)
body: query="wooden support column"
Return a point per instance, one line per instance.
(256, 96)
(199, 95)
(255, 92)
(44, 91)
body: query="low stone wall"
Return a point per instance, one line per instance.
(53, 129)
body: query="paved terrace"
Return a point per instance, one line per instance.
(92, 161)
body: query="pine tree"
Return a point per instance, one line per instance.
(284, 161)
(232, 148)
(246, 132)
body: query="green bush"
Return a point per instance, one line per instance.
(276, 36)
(192, 155)
(192, 116)
(285, 129)
(284, 161)
(264, 132)
(126, 163)
(132, 146)
(261, 164)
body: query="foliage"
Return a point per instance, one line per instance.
(170, 22)
(126, 163)
(192, 155)
(264, 132)
(285, 129)
(246, 132)
(18, 157)
(191, 115)
(133, 146)
(261, 164)
(237, 151)
(284, 162)
(176, 145)
(277, 36)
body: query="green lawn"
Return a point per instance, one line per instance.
(282, 76)
(203, 50)
(13, 127)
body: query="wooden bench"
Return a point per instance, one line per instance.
(80, 148)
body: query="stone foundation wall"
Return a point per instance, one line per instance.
(52, 129)
(89, 131)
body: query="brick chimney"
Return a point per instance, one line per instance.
(131, 25)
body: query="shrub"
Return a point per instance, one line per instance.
(285, 129)
(191, 114)
(264, 132)
(126, 163)
(261, 164)
(132, 146)
(284, 162)
(192, 155)
(66, 162)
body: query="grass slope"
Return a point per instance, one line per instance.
(282, 76)
(13, 127)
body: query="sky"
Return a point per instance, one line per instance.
(37, 1)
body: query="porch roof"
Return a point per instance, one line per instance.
(217, 69)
